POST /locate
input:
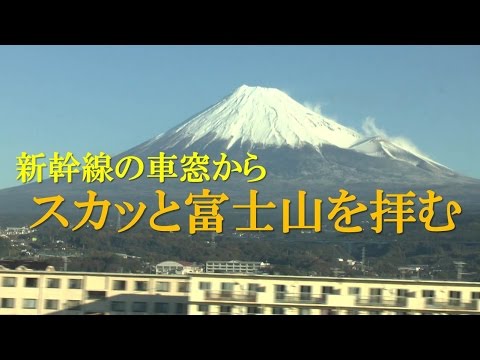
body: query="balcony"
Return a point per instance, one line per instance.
(231, 296)
(379, 301)
(451, 304)
(302, 298)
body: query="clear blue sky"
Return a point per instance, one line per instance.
(110, 98)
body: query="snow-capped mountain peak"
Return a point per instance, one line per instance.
(270, 121)
(264, 117)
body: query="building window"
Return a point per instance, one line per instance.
(161, 308)
(53, 283)
(9, 282)
(455, 297)
(305, 293)
(204, 285)
(51, 304)
(118, 306)
(8, 303)
(162, 286)
(180, 308)
(455, 294)
(429, 296)
(278, 311)
(119, 285)
(29, 303)
(96, 295)
(225, 309)
(183, 287)
(376, 295)
(203, 308)
(74, 283)
(327, 289)
(402, 295)
(227, 286)
(428, 293)
(352, 312)
(254, 310)
(304, 312)
(376, 292)
(140, 286)
(255, 288)
(138, 306)
(375, 313)
(72, 305)
(476, 295)
(329, 312)
(353, 291)
(280, 291)
(31, 282)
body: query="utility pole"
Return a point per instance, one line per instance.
(119, 222)
(363, 260)
(459, 265)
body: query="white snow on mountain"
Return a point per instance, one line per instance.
(379, 147)
(268, 117)
(263, 116)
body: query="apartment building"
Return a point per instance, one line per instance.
(24, 291)
(177, 267)
(50, 292)
(235, 266)
(294, 295)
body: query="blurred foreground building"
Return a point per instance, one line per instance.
(26, 291)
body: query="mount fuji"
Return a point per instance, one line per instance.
(259, 117)
(294, 141)
(300, 149)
